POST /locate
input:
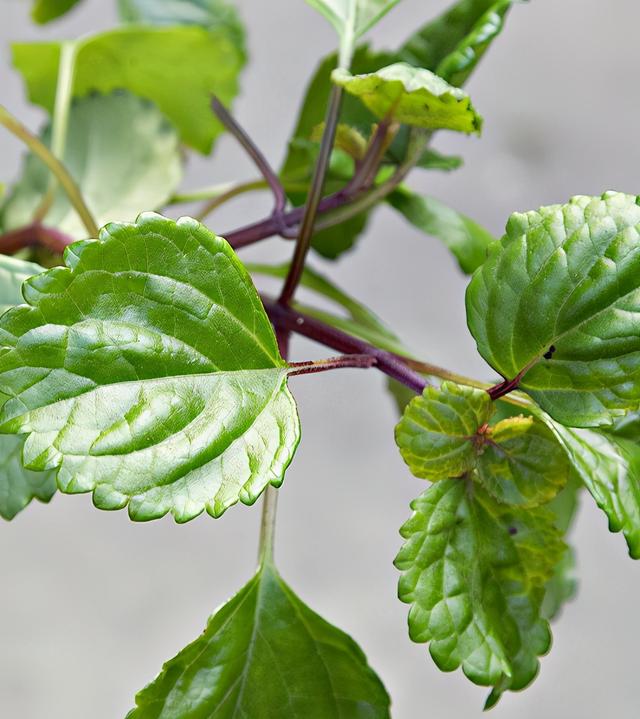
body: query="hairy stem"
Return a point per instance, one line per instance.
(362, 361)
(60, 121)
(57, 168)
(289, 319)
(268, 525)
(254, 153)
(303, 242)
(232, 190)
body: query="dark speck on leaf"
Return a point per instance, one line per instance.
(513, 530)
(549, 353)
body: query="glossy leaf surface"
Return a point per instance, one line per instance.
(412, 96)
(437, 431)
(265, 654)
(474, 573)
(148, 62)
(148, 373)
(558, 303)
(122, 152)
(466, 239)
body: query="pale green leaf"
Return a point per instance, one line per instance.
(13, 272)
(18, 486)
(610, 470)
(351, 19)
(474, 573)
(412, 96)
(122, 152)
(205, 13)
(452, 44)
(557, 304)
(265, 654)
(44, 11)
(467, 240)
(149, 62)
(522, 463)
(147, 372)
(438, 429)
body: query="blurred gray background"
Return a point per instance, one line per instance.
(91, 604)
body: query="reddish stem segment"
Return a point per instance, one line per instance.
(34, 235)
(291, 320)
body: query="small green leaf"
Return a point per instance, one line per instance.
(148, 62)
(265, 654)
(13, 272)
(453, 43)
(18, 486)
(610, 470)
(474, 572)
(412, 96)
(522, 463)
(434, 160)
(557, 304)
(124, 155)
(467, 240)
(147, 372)
(351, 19)
(437, 431)
(209, 14)
(44, 11)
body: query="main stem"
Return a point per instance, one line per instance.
(303, 242)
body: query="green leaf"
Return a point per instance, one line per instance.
(210, 14)
(18, 486)
(124, 155)
(148, 62)
(467, 240)
(147, 372)
(474, 572)
(434, 160)
(437, 432)
(351, 19)
(412, 96)
(522, 463)
(457, 39)
(557, 305)
(610, 470)
(265, 654)
(44, 11)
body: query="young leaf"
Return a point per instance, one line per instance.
(18, 486)
(148, 62)
(556, 306)
(610, 470)
(437, 430)
(522, 463)
(266, 654)
(44, 11)
(457, 39)
(124, 155)
(467, 240)
(351, 19)
(210, 14)
(412, 96)
(474, 573)
(147, 371)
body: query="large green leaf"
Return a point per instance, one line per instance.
(18, 486)
(467, 240)
(205, 13)
(44, 11)
(454, 42)
(147, 371)
(610, 470)
(474, 572)
(437, 432)
(149, 62)
(412, 96)
(122, 153)
(557, 304)
(351, 19)
(266, 655)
